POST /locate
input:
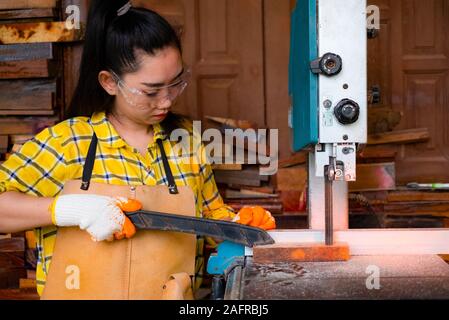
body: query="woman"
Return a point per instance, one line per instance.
(131, 74)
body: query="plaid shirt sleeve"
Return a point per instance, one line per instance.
(37, 169)
(213, 205)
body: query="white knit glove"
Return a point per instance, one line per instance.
(99, 215)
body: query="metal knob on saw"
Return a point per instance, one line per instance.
(330, 64)
(347, 111)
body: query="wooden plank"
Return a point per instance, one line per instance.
(17, 127)
(263, 189)
(16, 148)
(4, 143)
(27, 94)
(295, 159)
(27, 284)
(233, 194)
(291, 200)
(28, 125)
(27, 13)
(374, 177)
(38, 32)
(27, 112)
(294, 178)
(227, 167)
(12, 259)
(30, 239)
(12, 245)
(20, 138)
(273, 208)
(26, 51)
(26, 69)
(222, 178)
(19, 294)
(408, 196)
(234, 123)
(291, 252)
(42, 101)
(24, 4)
(375, 241)
(10, 277)
(252, 143)
(249, 176)
(400, 136)
(418, 208)
(376, 152)
(258, 191)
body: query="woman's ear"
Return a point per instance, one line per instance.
(108, 82)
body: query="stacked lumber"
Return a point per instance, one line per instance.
(246, 187)
(241, 141)
(18, 260)
(402, 208)
(30, 69)
(375, 198)
(242, 183)
(30, 100)
(12, 262)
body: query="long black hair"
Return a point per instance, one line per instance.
(111, 41)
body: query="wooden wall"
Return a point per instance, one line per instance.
(238, 51)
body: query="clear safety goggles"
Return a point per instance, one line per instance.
(154, 95)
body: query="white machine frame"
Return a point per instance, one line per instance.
(342, 30)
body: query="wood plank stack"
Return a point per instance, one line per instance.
(12, 262)
(376, 200)
(31, 99)
(241, 183)
(247, 187)
(18, 260)
(31, 68)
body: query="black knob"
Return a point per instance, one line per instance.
(329, 64)
(347, 111)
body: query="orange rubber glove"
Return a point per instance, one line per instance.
(127, 205)
(256, 217)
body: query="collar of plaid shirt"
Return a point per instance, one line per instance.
(108, 136)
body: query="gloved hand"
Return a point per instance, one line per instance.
(101, 216)
(256, 217)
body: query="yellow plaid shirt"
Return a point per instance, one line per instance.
(57, 154)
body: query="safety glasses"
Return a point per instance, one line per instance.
(154, 95)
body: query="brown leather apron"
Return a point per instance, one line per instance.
(151, 265)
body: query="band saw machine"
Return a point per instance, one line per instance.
(328, 88)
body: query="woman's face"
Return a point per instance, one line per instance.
(146, 96)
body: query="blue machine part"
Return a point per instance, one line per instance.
(303, 84)
(227, 252)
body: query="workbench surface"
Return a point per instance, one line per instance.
(400, 277)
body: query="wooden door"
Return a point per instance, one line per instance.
(420, 86)
(409, 60)
(223, 44)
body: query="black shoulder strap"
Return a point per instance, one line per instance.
(171, 181)
(90, 161)
(89, 164)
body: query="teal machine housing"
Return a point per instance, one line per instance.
(303, 84)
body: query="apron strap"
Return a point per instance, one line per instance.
(89, 164)
(90, 160)
(171, 181)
